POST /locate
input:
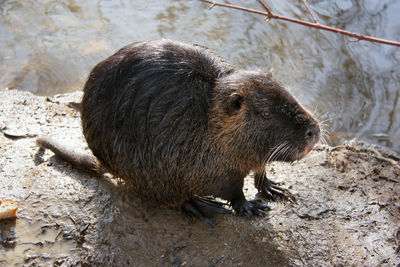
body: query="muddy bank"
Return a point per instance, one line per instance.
(347, 209)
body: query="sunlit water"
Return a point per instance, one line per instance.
(49, 47)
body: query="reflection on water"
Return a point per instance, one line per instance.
(49, 47)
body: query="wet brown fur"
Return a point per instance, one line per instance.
(176, 120)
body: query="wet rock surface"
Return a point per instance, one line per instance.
(347, 209)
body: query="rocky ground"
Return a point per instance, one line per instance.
(347, 209)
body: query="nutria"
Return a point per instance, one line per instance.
(178, 122)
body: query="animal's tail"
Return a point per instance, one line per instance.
(83, 162)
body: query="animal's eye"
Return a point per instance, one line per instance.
(266, 114)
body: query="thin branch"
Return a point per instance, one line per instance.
(266, 8)
(309, 11)
(270, 15)
(212, 4)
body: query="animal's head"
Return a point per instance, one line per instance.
(259, 120)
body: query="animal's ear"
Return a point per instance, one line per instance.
(235, 101)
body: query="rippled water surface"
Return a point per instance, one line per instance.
(49, 47)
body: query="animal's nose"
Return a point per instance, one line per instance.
(312, 134)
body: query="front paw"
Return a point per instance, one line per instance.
(270, 189)
(250, 208)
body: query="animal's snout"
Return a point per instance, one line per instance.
(312, 135)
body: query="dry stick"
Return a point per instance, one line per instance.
(309, 11)
(270, 15)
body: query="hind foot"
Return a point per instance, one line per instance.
(250, 208)
(204, 208)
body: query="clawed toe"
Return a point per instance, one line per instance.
(257, 203)
(270, 190)
(204, 208)
(250, 208)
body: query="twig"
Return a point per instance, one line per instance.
(309, 11)
(58, 235)
(270, 15)
(212, 4)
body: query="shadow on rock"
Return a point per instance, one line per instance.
(117, 227)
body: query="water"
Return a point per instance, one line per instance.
(49, 46)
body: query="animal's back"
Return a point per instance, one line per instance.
(145, 114)
(177, 122)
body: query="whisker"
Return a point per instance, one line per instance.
(325, 115)
(260, 182)
(323, 122)
(329, 118)
(283, 152)
(289, 152)
(325, 134)
(275, 151)
(315, 111)
(322, 139)
(323, 125)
